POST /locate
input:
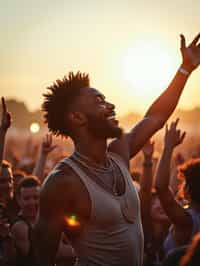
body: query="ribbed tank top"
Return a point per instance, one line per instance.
(108, 238)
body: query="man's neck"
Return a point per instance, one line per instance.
(94, 150)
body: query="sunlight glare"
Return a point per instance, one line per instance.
(147, 68)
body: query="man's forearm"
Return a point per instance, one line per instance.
(165, 104)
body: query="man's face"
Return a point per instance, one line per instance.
(28, 200)
(6, 183)
(101, 121)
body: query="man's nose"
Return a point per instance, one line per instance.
(111, 106)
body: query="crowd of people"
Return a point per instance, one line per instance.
(87, 208)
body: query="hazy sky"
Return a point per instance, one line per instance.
(130, 48)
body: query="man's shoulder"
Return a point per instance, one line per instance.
(62, 182)
(61, 173)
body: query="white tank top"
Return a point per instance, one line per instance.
(109, 239)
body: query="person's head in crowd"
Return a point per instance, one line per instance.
(192, 256)
(190, 173)
(81, 111)
(17, 176)
(28, 194)
(6, 181)
(157, 212)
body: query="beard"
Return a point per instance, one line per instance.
(102, 128)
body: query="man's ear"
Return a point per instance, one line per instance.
(77, 118)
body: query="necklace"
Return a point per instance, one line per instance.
(99, 172)
(92, 164)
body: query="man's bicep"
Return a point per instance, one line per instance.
(47, 231)
(45, 239)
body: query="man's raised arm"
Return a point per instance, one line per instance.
(164, 105)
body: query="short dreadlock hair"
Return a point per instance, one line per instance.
(58, 100)
(190, 172)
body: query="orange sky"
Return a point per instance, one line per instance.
(131, 50)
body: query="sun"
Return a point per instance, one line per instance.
(147, 68)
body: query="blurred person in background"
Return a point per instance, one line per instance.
(154, 219)
(7, 209)
(28, 195)
(6, 175)
(46, 147)
(186, 221)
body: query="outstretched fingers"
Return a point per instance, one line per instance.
(3, 104)
(183, 42)
(182, 136)
(195, 41)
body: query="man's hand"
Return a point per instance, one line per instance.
(173, 136)
(47, 145)
(6, 117)
(190, 53)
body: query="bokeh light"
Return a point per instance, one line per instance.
(34, 128)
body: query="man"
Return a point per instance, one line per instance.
(27, 194)
(90, 195)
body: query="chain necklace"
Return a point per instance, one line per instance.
(92, 164)
(97, 171)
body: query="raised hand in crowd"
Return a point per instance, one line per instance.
(6, 117)
(5, 124)
(180, 217)
(173, 136)
(46, 147)
(146, 184)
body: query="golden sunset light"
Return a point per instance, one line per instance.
(147, 67)
(130, 49)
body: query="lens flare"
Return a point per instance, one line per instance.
(72, 221)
